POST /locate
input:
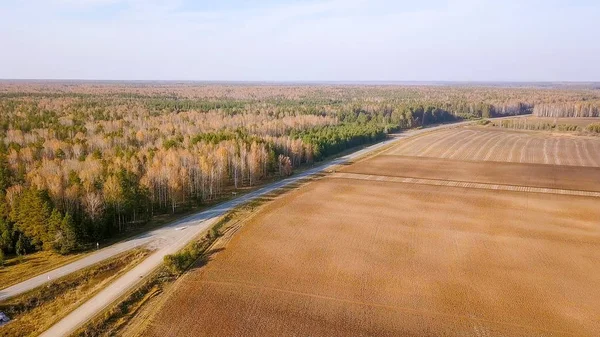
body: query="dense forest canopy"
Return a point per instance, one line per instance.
(80, 162)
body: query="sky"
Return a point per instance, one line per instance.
(294, 40)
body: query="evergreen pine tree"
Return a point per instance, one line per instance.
(69, 235)
(55, 232)
(20, 246)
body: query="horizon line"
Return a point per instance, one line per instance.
(346, 82)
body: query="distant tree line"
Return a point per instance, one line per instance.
(528, 124)
(568, 109)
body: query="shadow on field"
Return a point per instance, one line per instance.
(205, 258)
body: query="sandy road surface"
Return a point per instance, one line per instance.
(195, 225)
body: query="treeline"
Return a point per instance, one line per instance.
(62, 204)
(568, 109)
(62, 193)
(524, 124)
(330, 140)
(482, 109)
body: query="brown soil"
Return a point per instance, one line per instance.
(579, 121)
(347, 257)
(536, 175)
(477, 144)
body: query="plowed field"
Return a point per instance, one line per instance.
(388, 256)
(504, 146)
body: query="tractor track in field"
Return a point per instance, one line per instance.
(519, 147)
(465, 184)
(242, 284)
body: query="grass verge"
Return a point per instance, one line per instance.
(18, 269)
(37, 310)
(118, 317)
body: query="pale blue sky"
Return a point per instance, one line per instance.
(294, 40)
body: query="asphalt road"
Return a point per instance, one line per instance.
(169, 239)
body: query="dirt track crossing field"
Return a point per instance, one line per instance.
(533, 175)
(465, 184)
(386, 256)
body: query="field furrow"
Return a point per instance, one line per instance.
(432, 143)
(462, 151)
(483, 148)
(579, 154)
(463, 184)
(463, 232)
(454, 143)
(556, 159)
(590, 155)
(525, 155)
(498, 146)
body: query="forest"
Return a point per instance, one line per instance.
(82, 161)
